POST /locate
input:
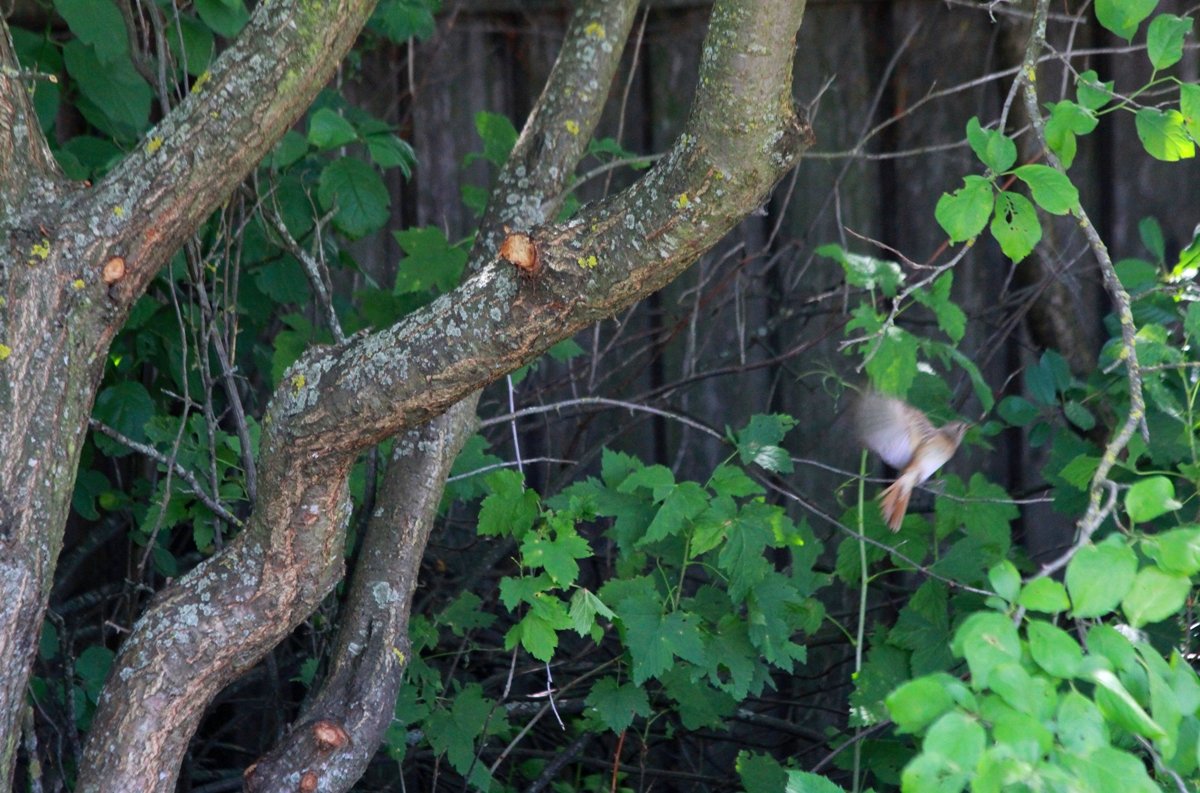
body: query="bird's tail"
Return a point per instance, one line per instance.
(893, 502)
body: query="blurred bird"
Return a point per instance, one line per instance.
(908, 442)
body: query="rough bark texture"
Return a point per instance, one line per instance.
(742, 137)
(357, 698)
(57, 313)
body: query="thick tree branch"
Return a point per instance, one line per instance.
(742, 137)
(358, 695)
(25, 159)
(193, 159)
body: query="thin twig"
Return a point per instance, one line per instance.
(180, 471)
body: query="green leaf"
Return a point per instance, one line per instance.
(192, 45)
(1189, 107)
(127, 408)
(1164, 39)
(401, 20)
(465, 613)
(950, 318)
(964, 213)
(92, 667)
(1119, 706)
(499, 137)
(1150, 497)
(358, 193)
(1151, 234)
(431, 262)
(1091, 92)
(1122, 17)
(683, 503)
(1109, 770)
(1053, 649)
(390, 151)
(1015, 225)
(1099, 577)
(1163, 135)
(654, 639)
(537, 632)
(760, 773)
(958, 738)
(1154, 596)
(758, 442)
(1045, 595)
(584, 608)
(225, 17)
(994, 149)
(807, 782)
(511, 509)
(932, 773)
(98, 24)
(1051, 189)
(894, 366)
(455, 731)
(328, 130)
(1005, 580)
(1067, 120)
(291, 147)
(114, 97)
(1078, 415)
(1175, 551)
(617, 704)
(557, 557)
(866, 271)
(986, 639)
(918, 702)
(1080, 725)
(1017, 411)
(923, 626)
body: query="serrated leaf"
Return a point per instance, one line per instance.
(1150, 497)
(584, 608)
(1164, 39)
(358, 193)
(894, 366)
(556, 556)
(865, 271)
(1015, 225)
(511, 509)
(1051, 189)
(225, 17)
(964, 213)
(430, 261)
(499, 136)
(1163, 135)
(616, 704)
(1122, 17)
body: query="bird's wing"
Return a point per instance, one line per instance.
(890, 428)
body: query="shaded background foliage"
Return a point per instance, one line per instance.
(383, 182)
